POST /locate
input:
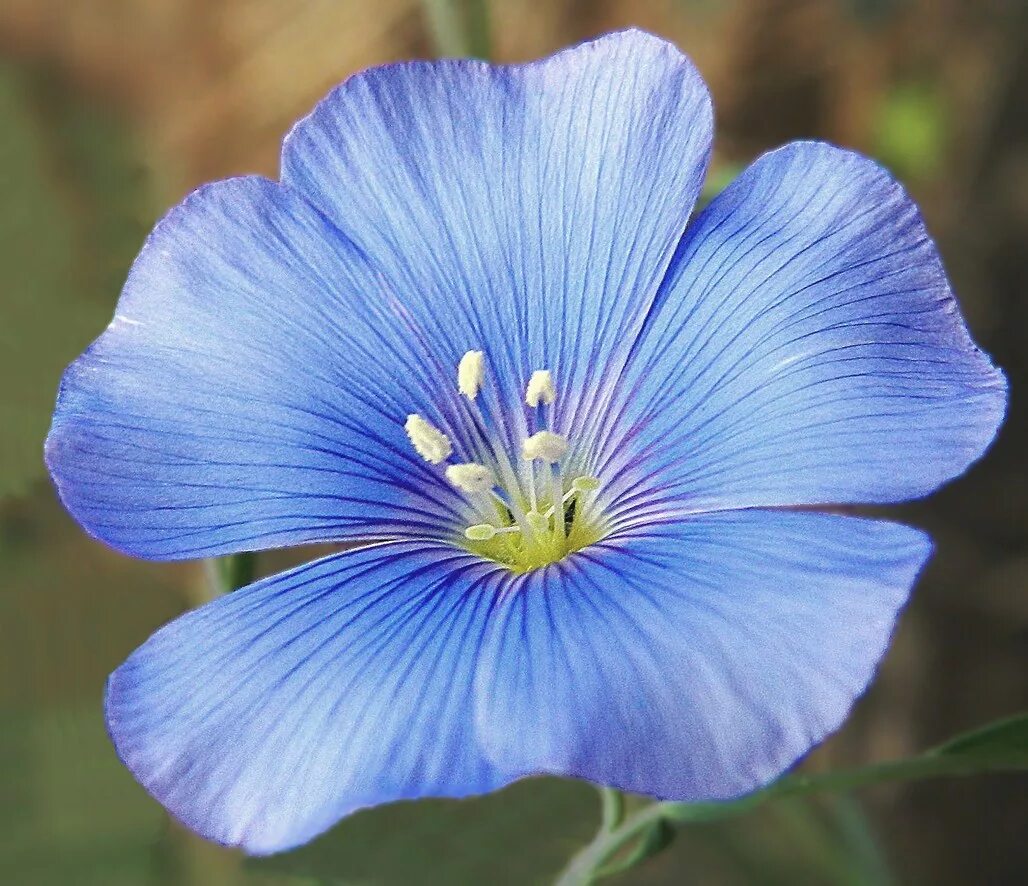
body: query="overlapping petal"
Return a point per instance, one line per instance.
(694, 660)
(530, 210)
(805, 349)
(263, 717)
(250, 391)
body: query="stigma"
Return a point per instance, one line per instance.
(524, 508)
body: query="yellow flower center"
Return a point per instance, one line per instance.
(521, 523)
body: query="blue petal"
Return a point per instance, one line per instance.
(695, 660)
(528, 210)
(250, 391)
(805, 349)
(263, 717)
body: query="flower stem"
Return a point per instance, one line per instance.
(227, 574)
(613, 807)
(459, 28)
(588, 865)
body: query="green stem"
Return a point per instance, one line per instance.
(656, 838)
(227, 574)
(613, 808)
(459, 28)
(585, 867)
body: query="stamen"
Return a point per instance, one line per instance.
(529, 520)
(545, 446)
(470, 372)
(471, 477)
(429, 442)
(540, 388)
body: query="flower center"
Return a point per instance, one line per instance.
(523, 511)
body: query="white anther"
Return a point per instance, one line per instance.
(545, 446)
(540, 388)
(471, 477)
(431, 443)
(470, 372)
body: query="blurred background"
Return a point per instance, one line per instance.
(112, 110)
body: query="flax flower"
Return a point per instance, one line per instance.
(586, 445)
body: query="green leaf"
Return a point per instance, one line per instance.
(999, 747)
(74, 214)
(1005, 741)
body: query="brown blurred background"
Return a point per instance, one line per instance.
(111, 110)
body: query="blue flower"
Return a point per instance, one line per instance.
(585, 443)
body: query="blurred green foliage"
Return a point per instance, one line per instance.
(104, 827)
(76, 205)
(70, 813)
(75, 209)
(910, 132)
(523, 834)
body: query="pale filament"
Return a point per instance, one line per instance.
(543, 533)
